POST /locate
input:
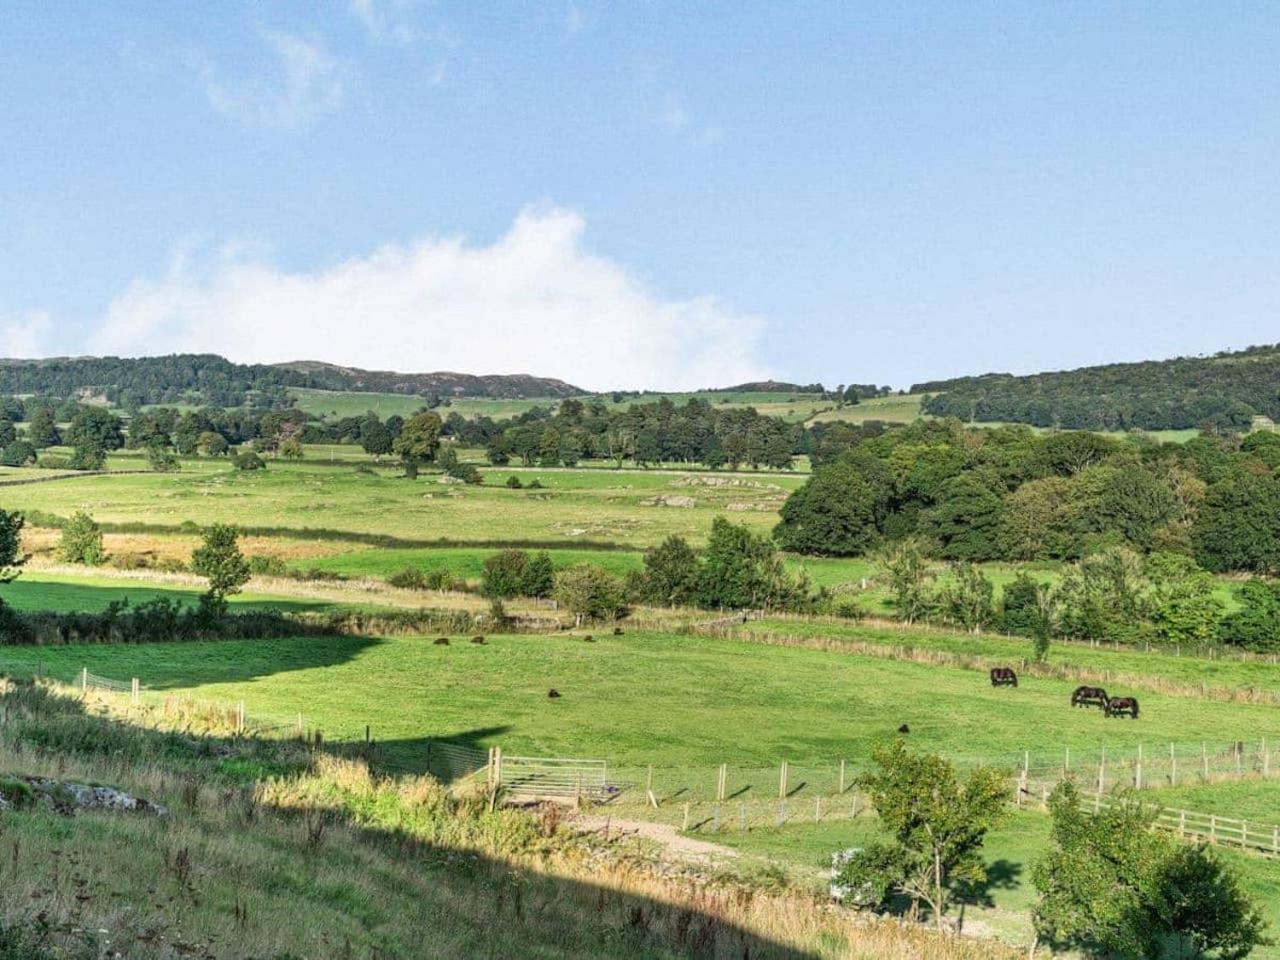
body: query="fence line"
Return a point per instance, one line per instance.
(1194, 825)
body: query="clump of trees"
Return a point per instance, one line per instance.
(737, 570)
(517, 573)
(1011, 494)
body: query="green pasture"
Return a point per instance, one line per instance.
(630, 508)
(1173, 665)
(684, 704)
(466, 563)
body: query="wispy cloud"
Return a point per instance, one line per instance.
(305, 83)
(676, 118)
(534, 300)
(24, 336)
(387, 21)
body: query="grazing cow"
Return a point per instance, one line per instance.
(1089, 697)
(904, 729)
(553, 694)
(1122, 707)
(442, 641)
(477, 639)
(588, 639)
(1003, 677)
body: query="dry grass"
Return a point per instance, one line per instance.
(325, 859)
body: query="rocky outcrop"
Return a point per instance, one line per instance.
(69, 798)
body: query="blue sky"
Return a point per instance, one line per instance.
(642, 193)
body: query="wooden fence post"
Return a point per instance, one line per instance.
(720, 783)
(842, 776)
(782, 781)
(136, 691)
(1173, 766)
(1204, 760)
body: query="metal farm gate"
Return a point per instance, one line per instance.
(552, 778)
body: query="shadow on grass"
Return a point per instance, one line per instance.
(488, 904)
(30, 595)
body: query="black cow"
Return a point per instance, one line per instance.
(1003, 677)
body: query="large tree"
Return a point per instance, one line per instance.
(839, 510)
(418, 441)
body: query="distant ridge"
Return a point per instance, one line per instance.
(1227, 391)
(443, 383)
(211, 379)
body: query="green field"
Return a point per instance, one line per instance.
(630, 508)
(335, 404)
(676, 702)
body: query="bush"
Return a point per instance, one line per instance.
(504, 573)
(590, 593)
(81, 541)
(19, 453)
(513, 482)
(267, 565)
(248, 460)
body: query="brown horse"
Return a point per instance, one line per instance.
(1089, 697)
(1122, 707)
(1003, 677)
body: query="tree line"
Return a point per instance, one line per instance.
(1225, 391)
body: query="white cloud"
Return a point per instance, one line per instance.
(307, 83)
(23, 336)
(533, 301)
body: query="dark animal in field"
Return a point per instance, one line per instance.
(553, 694)
(588, 639)
(1003, 677)
(1122, 707)
(1089, 697)
(617, 631)
(477, 639)
(442, 641)
(904, 729)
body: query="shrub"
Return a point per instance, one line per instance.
(19, 453)
(513, 482)
(590, 593)
(504, 573)
(268, 565)
(81, 541)
(408, 579)
(248, 460)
